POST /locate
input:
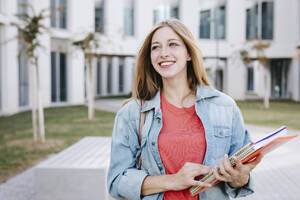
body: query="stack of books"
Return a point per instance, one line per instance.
(249, 152)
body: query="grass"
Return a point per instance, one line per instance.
(280, 113)
(64, 126)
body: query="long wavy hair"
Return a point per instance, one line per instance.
(147, 81)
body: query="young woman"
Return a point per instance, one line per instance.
(189, 129)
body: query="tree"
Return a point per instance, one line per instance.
(30, 27)
(88, 45)
(259, 47)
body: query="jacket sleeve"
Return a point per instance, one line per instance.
(240, 138)
(124, 180)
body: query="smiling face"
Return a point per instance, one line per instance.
(169, 54)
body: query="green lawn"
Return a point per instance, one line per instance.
(64, 126)
(280, 113)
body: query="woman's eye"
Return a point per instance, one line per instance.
(173, 44)
(154, 47)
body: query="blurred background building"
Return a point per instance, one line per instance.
(224, 29)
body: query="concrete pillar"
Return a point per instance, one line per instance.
(115, 75)
(10, 72)
(128, 74)
(75, 77)
(104, 63)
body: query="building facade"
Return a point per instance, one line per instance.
(224, 29)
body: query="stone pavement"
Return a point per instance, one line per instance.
(277, 177)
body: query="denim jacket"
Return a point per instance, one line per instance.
(224, 131)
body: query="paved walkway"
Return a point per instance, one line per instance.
(276, 178)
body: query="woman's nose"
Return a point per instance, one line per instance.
(164, 52)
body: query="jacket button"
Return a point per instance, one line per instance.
(153, 143)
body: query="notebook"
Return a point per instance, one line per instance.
(262, 145)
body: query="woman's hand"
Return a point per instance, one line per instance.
(185, 177)
(238, 175)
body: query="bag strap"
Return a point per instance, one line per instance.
(142, 121)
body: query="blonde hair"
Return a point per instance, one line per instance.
(147, 81)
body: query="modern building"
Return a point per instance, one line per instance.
(223, 29)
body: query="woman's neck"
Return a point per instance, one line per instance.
(178, 93)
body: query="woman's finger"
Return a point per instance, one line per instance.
(252, 164)
(218, 175)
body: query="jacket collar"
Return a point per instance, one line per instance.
(203, 92)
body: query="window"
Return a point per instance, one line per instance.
(22, 6)
(121, 75)
(267, 20)
(58, 13)
(205, 24)
(99, 76)
(264, 30)
(109, 76)
(99, 16)
(279, 78)
(129, 18)
(250, 79)
(251, 23)
(220, 22)
(219, 79)
(58, 77)
(166, 11)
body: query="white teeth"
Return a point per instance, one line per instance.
(166, 63)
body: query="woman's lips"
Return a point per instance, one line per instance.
(166, 64)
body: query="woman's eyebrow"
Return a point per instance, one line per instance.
(173, 39)
(156, 42)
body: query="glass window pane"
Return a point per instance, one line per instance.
(62, 13)
(109, 76)
(166, 11)
(99, 76)
(205, 24)
(99, 16)
(121, 75)
(22, 6)
(53, 12)
(129, 20)
(53, 77)
(175, 12)
(159, 14)
(220, 24)
(63, 77)
(250, 79)
(251, 22)
(267, 20)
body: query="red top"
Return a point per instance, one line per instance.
(181, 140)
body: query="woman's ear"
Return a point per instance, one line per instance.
(188, 58)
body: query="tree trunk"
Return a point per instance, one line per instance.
(91, 110)
(33, 100)
(40, 104)
(266, 84)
